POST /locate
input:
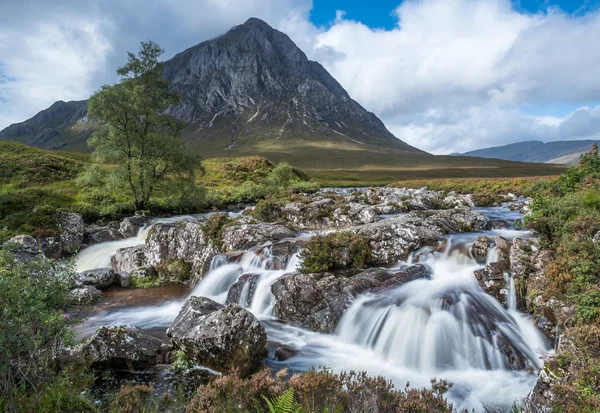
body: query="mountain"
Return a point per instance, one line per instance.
(252, 91)
(563, 152)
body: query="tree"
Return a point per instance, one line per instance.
(136, 133)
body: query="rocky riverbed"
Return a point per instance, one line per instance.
(448, 292)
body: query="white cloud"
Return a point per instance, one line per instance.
(452, 76)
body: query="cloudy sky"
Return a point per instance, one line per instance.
(444, 75)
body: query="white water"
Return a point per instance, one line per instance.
(445, 327)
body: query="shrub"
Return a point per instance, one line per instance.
(336, 250)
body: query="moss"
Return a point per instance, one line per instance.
(337, 250)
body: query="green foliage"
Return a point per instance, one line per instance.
(336, 250)
(136, 135)
(33, 296)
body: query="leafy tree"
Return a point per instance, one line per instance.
(137, 134)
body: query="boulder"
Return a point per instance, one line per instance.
(131, 260)
(119, 348)
(130, 226)
(71, 228)
(25, 248)
(85, 295)
(101, 278)
(480, 249)
(247, 233)
(226, 339)
(393, 239)
(184, 243)
(318, 301)
(95, 234)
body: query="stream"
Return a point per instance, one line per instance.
(445, 327)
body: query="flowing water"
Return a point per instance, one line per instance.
(444, 327)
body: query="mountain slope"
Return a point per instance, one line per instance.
(564, 152)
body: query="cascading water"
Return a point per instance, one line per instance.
(444, 327)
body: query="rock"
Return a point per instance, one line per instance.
(243, 290)
(318, 301)
(393, 239)
(283, 353)
(85, 295)
(184, 243)
(123, 279)
(101, 278)
(95, 234)
(226, 339)
(25, 248)
(244, 234)
(480, 249)
(71, 228)
(131, 225)
(51, 247)
(131, 260)
(492, 280)
(119, 348)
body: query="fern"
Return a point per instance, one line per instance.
(284, 403)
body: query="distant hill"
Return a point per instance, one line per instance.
(562, 152)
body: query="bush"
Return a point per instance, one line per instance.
(336, 250)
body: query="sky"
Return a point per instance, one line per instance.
(443, 75)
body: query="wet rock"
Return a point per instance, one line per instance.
(95, 234)
(101, 278)
(183, 242)
(480, 249)
(393, 239)
(71, 228)
(85, 295)
(25, 248)
(492, 280)
(243, 290)
(226, 339)
(119, 348)
(247, 233)
(283, 353)
(130, 226)
(318, 301)
(131, 260)
(123, 279)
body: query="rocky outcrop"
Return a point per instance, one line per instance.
(184, 242)
(85, 295)
(393, 239)
(130, 226)
(71, 228)
(480, 249)
(226, 339)
(25, 248)
(100, 278)
(318, 301)
(118, 348)
(246, 232)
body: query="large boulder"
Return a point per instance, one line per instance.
(393, 239)
(71, 228)
(226, 339)
(119, 348)
(318, 301)
(174, 248)
(25, 248)
(130, 226)
(101, 278)
(246, 233)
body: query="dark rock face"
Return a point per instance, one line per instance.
(227, 339)
(101, 278)
(480, 249)
(119, 348)
(318, 301)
